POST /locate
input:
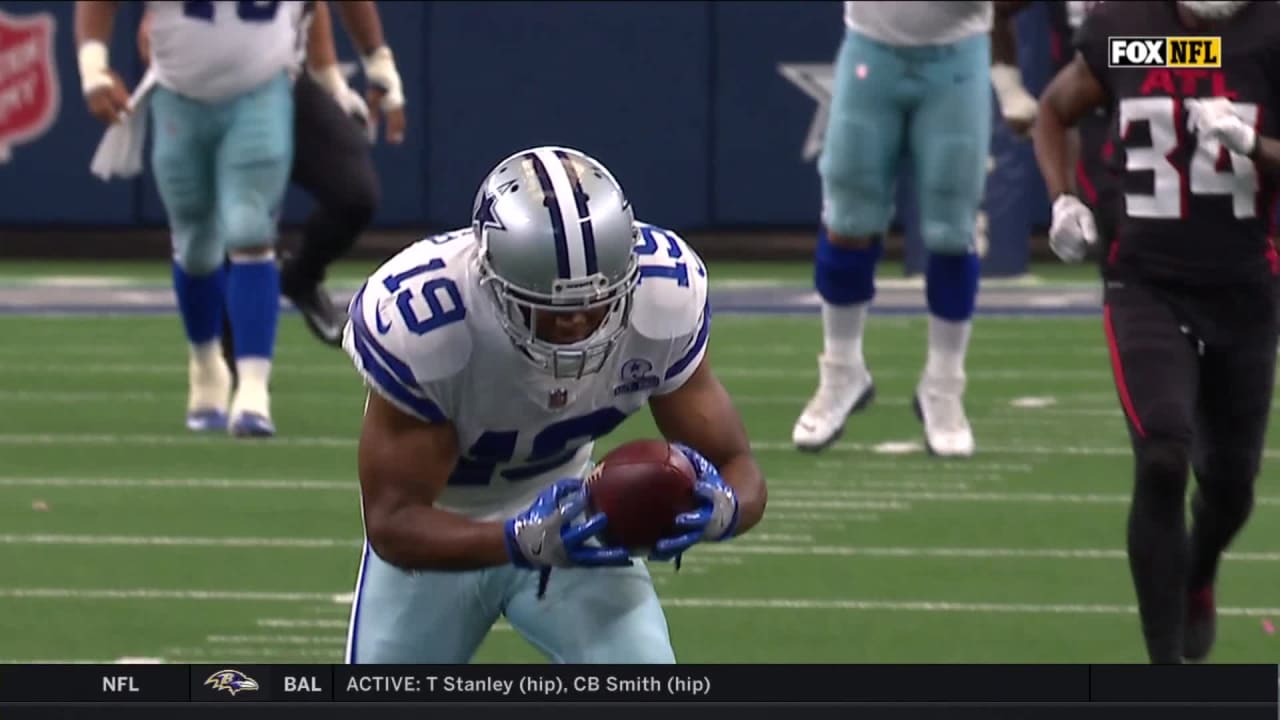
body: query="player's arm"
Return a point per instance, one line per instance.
(322, 54)
(1073, 92)
(322, 67)
(701, 415)
(1017, 106)
(104, 91)
(404, 464)
(1266, 155)
(386, 92)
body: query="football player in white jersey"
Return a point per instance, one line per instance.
(221, 153)
(495, 356)
(912, 84)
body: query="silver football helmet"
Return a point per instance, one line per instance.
(1213, 9)
(556, 234)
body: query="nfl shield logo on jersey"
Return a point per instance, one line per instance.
(557, 398)
(28, 80)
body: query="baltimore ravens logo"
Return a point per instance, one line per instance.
(233, 681)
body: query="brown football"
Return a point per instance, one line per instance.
(641, 486)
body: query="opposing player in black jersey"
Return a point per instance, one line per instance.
(1189, 304)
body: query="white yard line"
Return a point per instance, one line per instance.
(726, 603)
(788, 545)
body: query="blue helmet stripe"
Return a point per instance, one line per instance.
(584, 215)
(553, 208)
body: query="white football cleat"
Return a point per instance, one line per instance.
(251, 411)
(939, 403)
(208, 387)
(843, 389)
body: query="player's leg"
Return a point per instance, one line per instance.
(1236, 383)
(182, 160)
(858, 168)
(333, 164)
(1156, 370)
(589, 615)
(401, 617)
(253, 169)
(950, 137)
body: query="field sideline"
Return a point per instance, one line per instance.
(125, 536)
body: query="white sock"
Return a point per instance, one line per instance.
(207, 354)
(948, 344)
(251, 393)
(842, 327)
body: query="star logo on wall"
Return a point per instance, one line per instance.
(814, 80)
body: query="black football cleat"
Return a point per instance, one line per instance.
(323, 319)
(1200, 629)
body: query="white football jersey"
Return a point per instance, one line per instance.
(919, 23)
(217, 49)
(427, 337)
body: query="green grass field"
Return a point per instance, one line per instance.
(126, 536)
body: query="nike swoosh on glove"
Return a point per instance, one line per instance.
(543, 536)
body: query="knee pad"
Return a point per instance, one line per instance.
(950, 186)
(845, 276)
(198, 253)
(951, 285)
(247, 226)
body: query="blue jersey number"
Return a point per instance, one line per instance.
(432, 292)
(246, 10)
(553, 446)
(651, 240)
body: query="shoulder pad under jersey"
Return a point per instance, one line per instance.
(407, 332)
(672, 294)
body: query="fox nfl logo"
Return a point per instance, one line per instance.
(1166, 52)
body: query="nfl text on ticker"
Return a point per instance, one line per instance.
(524, 684)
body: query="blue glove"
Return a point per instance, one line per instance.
(715, 519)
(543, 537)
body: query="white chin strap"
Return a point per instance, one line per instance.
(1213, 9)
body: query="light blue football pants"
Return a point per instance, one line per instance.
(588, 615)
(930, 106)
(221, 169)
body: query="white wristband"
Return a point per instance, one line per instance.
(380, 70)
(330, 78)
(1007, 81)
(95, 72)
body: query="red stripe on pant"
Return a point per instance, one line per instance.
(1117, 369)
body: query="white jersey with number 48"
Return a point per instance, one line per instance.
(212, 50)
(428, 338)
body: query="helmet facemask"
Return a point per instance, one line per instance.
(519, 311)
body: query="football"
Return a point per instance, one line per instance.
(641, 486)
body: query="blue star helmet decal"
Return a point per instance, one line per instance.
(485, 217)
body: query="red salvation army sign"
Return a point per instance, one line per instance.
(28, 79)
